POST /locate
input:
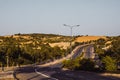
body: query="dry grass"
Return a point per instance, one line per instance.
(88, 38)
(17, 37)
(111, 75)
(25, 37)
(8, 79)
(63, 45)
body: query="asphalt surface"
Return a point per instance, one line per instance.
(28, 73)
(54, 72)
(48, 73)
(89, 52)
(77, 52)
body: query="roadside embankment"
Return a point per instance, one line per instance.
(6, 75)
(64, 58)
(111, 75)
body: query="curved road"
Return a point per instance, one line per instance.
(89, 52)
(55, 73)
(48, 73)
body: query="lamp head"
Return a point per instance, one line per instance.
(77, 25)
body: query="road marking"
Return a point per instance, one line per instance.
(45, 75)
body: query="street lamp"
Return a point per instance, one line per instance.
(71, 27)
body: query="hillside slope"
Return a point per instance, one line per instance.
(88, 38)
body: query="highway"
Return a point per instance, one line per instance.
(89, 52)
(48, 73)
(54, 72)
(33, 73)
(77, 52)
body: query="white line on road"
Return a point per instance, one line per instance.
(45, 75)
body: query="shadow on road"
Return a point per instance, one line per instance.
(25, 70)
(59, 74)
(33, 77)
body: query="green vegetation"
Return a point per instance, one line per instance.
(71, 63)
(45, 38)
(21, 49)
(79, 64)
(109, 54)
(108, 60)
(109, 63)
(87, 64)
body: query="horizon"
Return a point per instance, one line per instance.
(55, 34)
(95, 17)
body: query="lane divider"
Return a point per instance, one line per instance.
(45, 75)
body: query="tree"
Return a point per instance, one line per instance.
(9, 51)
(116, 45)
(87, 64)
(101, 41)
(71, 64)
(109, 63)
(114, 50)
(2, 58)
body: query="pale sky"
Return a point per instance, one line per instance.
(95, 17)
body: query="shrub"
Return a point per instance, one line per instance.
(109, 63)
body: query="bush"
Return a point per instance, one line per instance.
(87, 64)
(71, 64)
(109, 63)
(78, 64)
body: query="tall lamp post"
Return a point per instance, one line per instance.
(71, 27)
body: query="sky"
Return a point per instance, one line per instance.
(95, 17)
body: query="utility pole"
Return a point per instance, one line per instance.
(71, 27)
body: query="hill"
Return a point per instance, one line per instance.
(88, 38)
(38, 39)
(52, 39)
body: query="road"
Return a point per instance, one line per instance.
(89, 52)
(29, 73)
(77, 52)
(48, 73)
(56, 73)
